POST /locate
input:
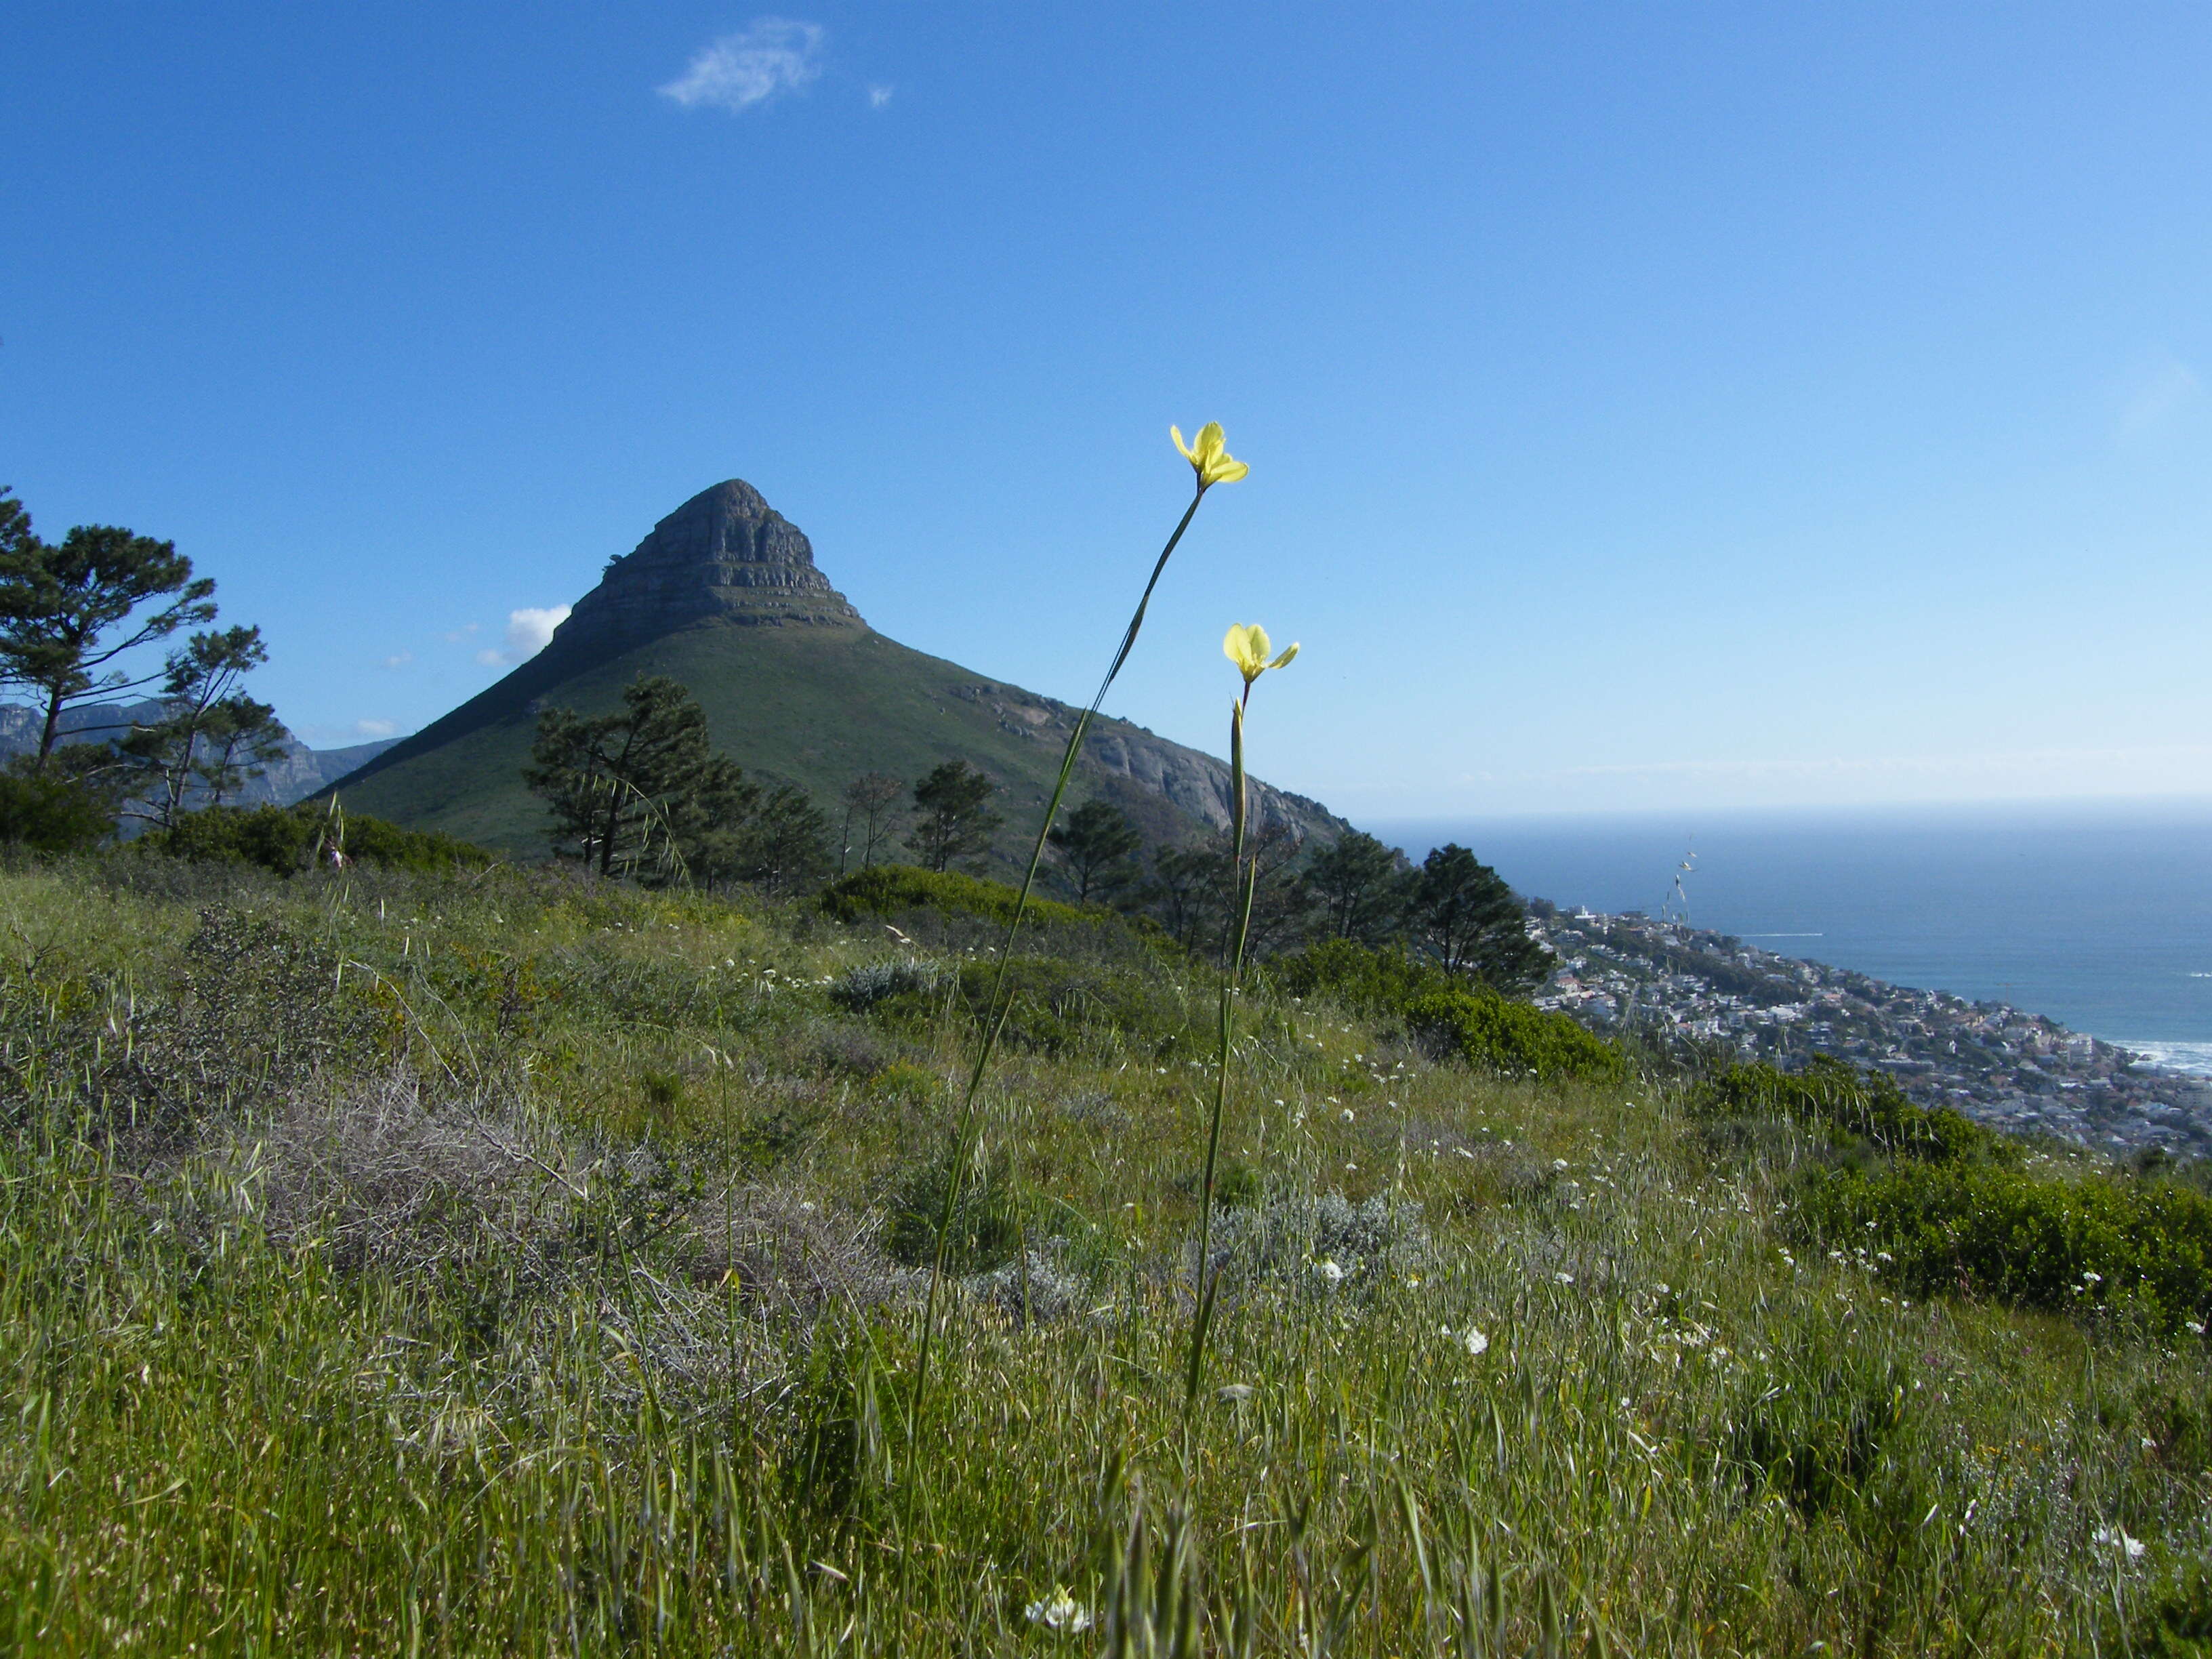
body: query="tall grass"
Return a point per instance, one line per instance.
(538, 1300)
(1211, 463)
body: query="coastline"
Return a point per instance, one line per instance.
(1662, 979)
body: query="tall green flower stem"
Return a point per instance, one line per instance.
(1247, 646)
(1212, 464)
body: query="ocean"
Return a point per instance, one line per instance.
(2099, 915)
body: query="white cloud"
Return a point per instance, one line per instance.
(2156, 395)
(775, 55)
(400, 659)
(530, 628)
(369, 731)
(460, 636)
(879, 96)
(528, 631)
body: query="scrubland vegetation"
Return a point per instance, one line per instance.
(466, 1260)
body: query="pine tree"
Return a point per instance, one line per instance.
(1467, 917)
(952, 822)
(1095, 842)
(640, 791)
(68, 612)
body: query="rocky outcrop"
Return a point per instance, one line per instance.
(724, 555)
(1118, 753)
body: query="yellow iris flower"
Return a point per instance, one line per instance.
(1247, 644)
(1209, 456)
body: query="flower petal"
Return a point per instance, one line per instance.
(1175, 432)
(1289, 652)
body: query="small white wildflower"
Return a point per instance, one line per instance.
(1351, 1169)
(1329, 1271)
(2115, 1538)
(806, 1207)
(1348, 1114)
(2093, 1279)
(1234, 1393)
(1559, 1163)
(1477, 1343)
(1059, 1612)
(2194, 1326)
(1564, 1279)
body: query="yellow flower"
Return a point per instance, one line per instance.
(1247, 644)
(1208, 457)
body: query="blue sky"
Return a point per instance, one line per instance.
(1648, 406)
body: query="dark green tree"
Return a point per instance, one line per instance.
(1193, 891)
(951, 820)
(781, 843)
(1095, 842)
(68, 612)
(1359, 889)
(869, 800)
(210, 737)
(641, 791)
(52, 811)
(1464, 916)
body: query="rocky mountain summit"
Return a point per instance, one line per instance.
(725, 556)
(725, 596)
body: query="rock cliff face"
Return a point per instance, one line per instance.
(724, 555)
(1127, 758)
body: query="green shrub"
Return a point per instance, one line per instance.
(1053, 1005)
(1852, 1105)
(1485, 1029)
(986, 1223)
(285, 839)
(1369, 982)
(2039, 1241)
(890, 889)
(51, 815)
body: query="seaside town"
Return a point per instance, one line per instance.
(1662, 978)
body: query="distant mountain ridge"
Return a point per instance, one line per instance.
(299, 773)
(725, 596)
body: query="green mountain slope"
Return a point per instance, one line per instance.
(724, 597)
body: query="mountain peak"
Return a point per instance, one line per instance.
(725, 556)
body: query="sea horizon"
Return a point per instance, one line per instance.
(2097, 914)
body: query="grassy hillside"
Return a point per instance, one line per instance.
(816, 706)
(506, 1263)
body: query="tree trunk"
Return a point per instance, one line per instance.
(53, 730)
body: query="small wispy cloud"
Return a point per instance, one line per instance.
(529, 631)
(2157, 395)
(460, 636)
(400, 659)
(878, 97)
(369, 730)
(773, 55)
